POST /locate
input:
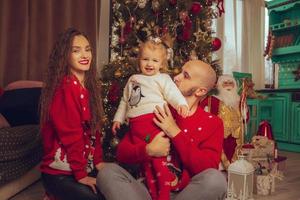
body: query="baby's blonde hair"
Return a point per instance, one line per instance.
(153, 44)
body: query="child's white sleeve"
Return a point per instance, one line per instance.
(171, 92)
(120, 115)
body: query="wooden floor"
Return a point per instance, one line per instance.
(287, 189)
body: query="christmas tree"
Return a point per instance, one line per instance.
(185, 26)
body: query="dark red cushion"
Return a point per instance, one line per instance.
(1, 91)
(20, 106)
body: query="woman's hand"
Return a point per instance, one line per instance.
(89, 181)
(159, 146)
(165, 121)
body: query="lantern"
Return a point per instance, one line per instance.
(240, 180)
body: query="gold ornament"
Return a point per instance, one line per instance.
(201, 35)
(142, 3)
(135, 50)
(141, 22)
(114, 142)
(193, 55)
(105, 120)
(118, 73)
(155, 5)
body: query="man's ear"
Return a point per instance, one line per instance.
(201, 91)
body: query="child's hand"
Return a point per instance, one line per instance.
(116, 125)
(183, 110)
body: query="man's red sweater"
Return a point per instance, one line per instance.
(198, 146)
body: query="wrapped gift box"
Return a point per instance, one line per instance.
(261, 147)
(264, 184)
(264, 179)
(281, 163)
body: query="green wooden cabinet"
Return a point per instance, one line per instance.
(253, 105)
(282, 107)
(274, 109)
(282, 112)
(295, 122)
(279, 115)
(284, 25)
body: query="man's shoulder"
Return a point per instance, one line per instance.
(211, 104)
(210, 118)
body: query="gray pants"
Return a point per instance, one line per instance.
(117, 184)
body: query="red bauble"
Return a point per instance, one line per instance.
(128, 27)
(114, 93)
(183, 15)
(173, 2)
(1, 91)
(196, 8)
(164, 30)
(209, 2)
(186, 34)
(122, 40)
(216, 44)
(188, 23)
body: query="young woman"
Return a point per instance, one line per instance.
(70, 120)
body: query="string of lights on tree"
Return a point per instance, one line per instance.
(185, 26)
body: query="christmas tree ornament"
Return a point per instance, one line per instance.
(165, 30)
(128, 28)
(142, 3)
(186, 34)
(173, 2)
(136, 50)
(209, 2)
(118, 73)
(183, 15)
(132, 20)
(122, 40)
(114, 93)
(200, 35)
(216, 44)
(140, 22)
(155, 5)
(220, 6)
(193, 55)
(114, 142)
(105, 119)
(196, 8)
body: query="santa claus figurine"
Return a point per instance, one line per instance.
(229, 112)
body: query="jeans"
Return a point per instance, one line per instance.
(66, 187)
(116, 183)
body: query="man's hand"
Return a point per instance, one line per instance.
(159, 146)
(116, 126)
(100, 166)
(89, 181)
(165, 121)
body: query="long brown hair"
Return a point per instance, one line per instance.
(58, 67)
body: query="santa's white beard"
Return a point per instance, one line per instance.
(229, 97)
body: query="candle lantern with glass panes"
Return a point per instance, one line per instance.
(240, 180)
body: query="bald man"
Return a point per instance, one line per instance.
(196, 146)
